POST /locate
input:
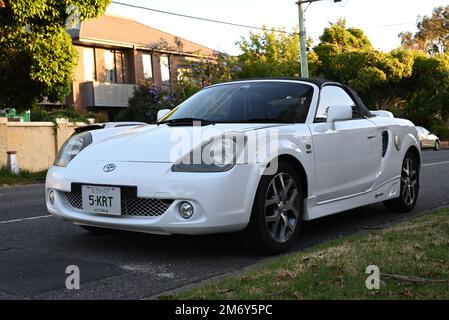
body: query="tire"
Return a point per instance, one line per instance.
(97, 230)
(277, 213)
(409, 186)
(437, 146)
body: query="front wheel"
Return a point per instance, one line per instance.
(409, 186)
(437, 146)
(277, 212)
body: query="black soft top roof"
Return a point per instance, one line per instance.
(320, 83)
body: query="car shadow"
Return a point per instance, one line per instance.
(235, 244)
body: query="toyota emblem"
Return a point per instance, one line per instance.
(109, 167)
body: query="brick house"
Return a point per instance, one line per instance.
(116, 53)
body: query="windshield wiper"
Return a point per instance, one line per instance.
(266, 120)
(184, 121)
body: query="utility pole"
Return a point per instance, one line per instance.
(303, 36)
(302, 41)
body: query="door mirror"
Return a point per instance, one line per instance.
(338, 113)
(162, 113)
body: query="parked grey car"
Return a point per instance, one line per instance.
(428, 140)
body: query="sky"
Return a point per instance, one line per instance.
(381, 20)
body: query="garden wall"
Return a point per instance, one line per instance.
(36, 143)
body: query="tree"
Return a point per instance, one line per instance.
(270, 53)
(346, 55)
(408, 82)
(429, 91)
(432, 35)
(337, 39)
(206, 71)
(37, 57)
(344, 39)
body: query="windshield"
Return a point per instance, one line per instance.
(422, 130)
(248, 102)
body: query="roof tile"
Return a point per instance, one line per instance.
(126, 30)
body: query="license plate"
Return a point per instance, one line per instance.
(103, 200)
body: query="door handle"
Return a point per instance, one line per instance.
(371, 137)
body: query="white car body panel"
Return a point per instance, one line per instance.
(344, 169)
(350, 167)
(382, 113)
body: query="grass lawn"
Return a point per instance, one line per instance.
(413, 260)
(25, 177)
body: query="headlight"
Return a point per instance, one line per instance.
(222, 152)
(72, 147)
(218, 155)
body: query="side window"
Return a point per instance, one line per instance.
(335, 96)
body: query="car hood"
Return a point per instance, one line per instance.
(154, 143)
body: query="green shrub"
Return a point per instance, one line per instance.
(37, 114)
(25, 176)
(147, 100)
(442, 131)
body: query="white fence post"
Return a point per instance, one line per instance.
(13, 165)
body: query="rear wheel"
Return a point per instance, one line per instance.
(409, 186)
(437, 146)
(277, 211)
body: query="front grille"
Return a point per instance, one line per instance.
(145, 207)
(74, 200)
(384, 143)
(131, 206)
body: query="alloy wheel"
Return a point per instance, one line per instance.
(409, 181)
(282, 203)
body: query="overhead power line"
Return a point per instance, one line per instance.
(233, 23)
(199, 18)
(390, 25)
(439, 27)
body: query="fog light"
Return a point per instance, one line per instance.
(186, 210)
(51, 197)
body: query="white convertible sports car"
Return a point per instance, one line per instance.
(261, 155)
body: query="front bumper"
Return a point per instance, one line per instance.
(222, 201)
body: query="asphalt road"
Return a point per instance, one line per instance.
(35, 248)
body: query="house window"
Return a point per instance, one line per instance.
(120, 61)
(165, 70)
(147, 66)
(89, 64)
(109, 64)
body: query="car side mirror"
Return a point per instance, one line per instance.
(162, 113)
(338, 113)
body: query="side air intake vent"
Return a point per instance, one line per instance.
(384, 143)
